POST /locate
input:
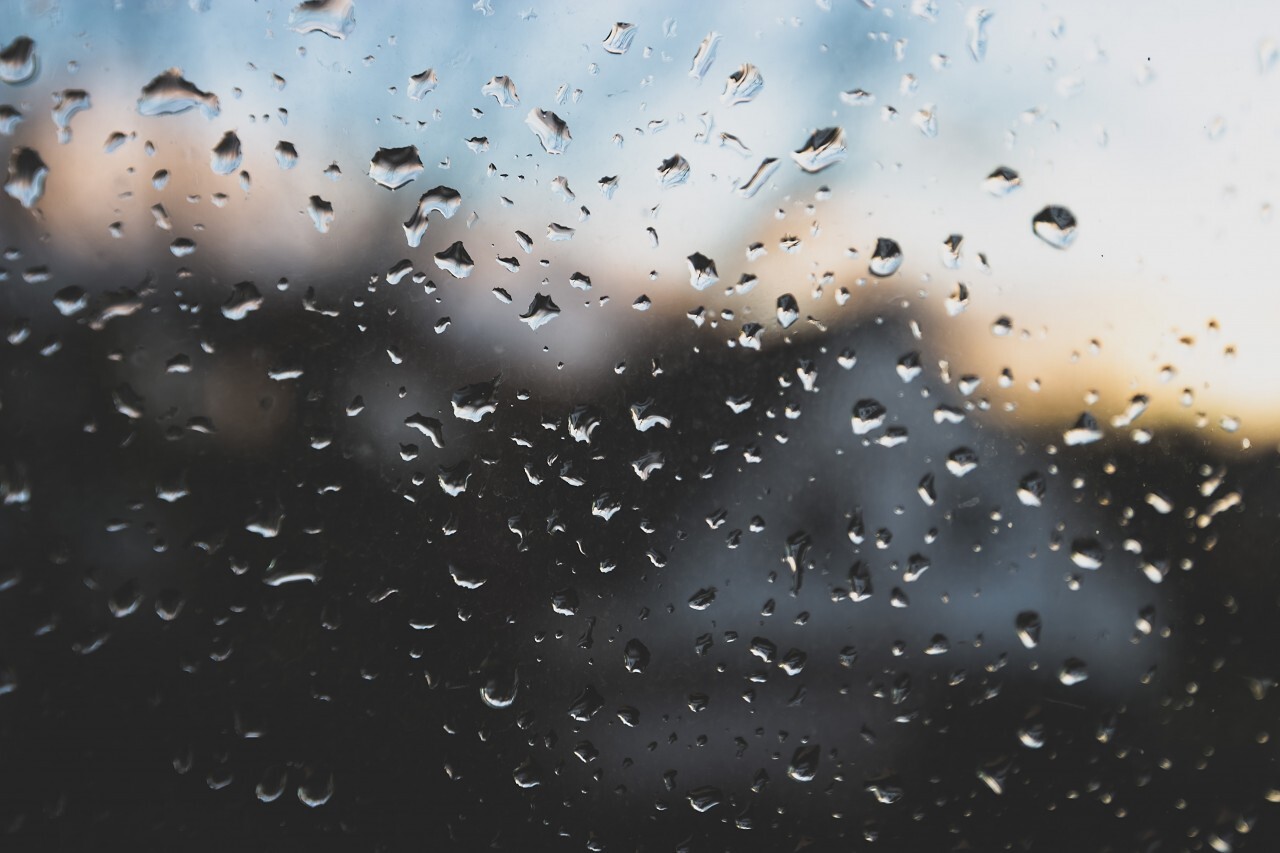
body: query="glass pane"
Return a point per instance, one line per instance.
(614, 426)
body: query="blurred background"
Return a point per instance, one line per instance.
(923, 523)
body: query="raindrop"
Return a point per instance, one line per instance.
(27, 174)
(550, 129)
(170, 93)
(1055, 225)
(394, 167)
(227, 154)
(635, 656)
(886, 258)
(455, 260)
(503, 91)
(743, 85)
(542, 310)
(18, 62)
(321, 213)
(824, 148)
(705, 56)
(619, 39)
(334, 18)
(420, 85)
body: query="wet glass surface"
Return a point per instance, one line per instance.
(795, 426)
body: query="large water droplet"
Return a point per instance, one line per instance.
(503, 91)
(886, 258)
(421, 85)
(334, 18)
(550, 129)
(18, 63)
(455, 260)
(170, 93)
(394, 167)
(619, 39)
(1055, 225)
(824, 148)
(743, 85)
(27, 174)
(227, 154)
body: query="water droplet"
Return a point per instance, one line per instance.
(455, 260)
(824, 148)
(394, 167)
(169, 93)
(759, 177)
(1087, 554)
(886, 258)
(1085, 431)
(334, 18)
(673, 171)
(542, 310)
(9, 119)
(244, 299)
(586, 705)
(702, 271)
(976, 20)
(619, 39)
(444, 200)
(1027, 624)
(1055, 225)
(550, 129)
(1031, 489)
(499, 684)
(421, 85)
(803, 766)
(227, 154)
(66, 104)
(788, 310)
(867, 415)
(27, 174)
(18, 63)
(705, 56)
(428, 426)
(321, 213)
(473, 402)
(743, 85)
(1073, 671)
(503, 91)
(705, 799)
(635, 656)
